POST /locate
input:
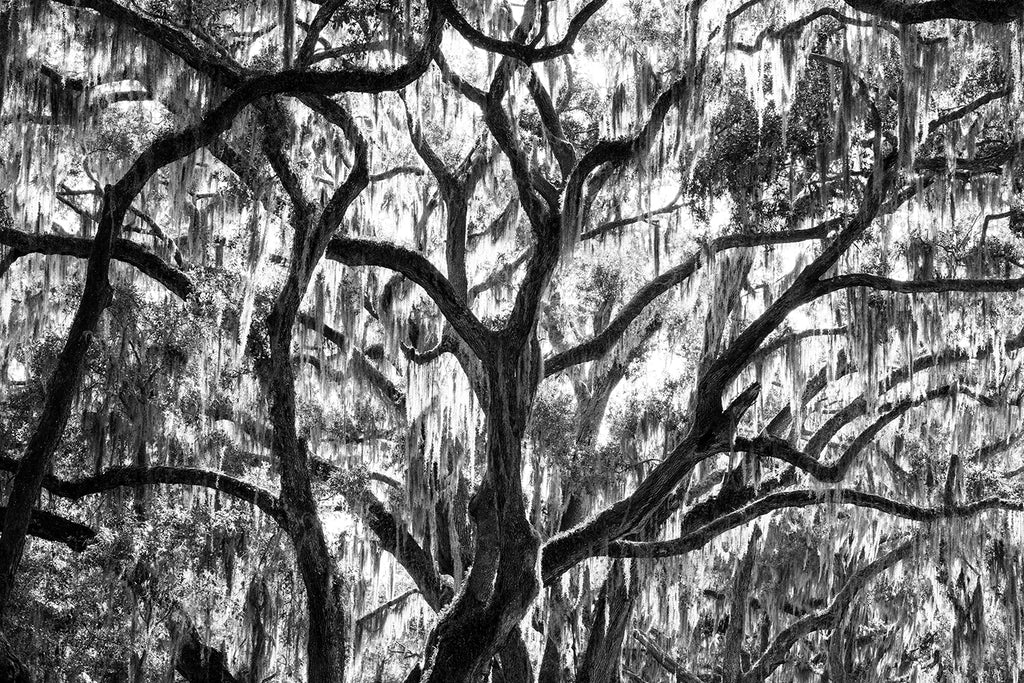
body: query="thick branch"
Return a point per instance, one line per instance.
(563, 150)
(601, 343)
(805, 498)
(204, 61)
(362, 252)
(57, 529)
(123, 250)
(395, 538)
(617, 520)
(319, 23)
(523, 52)
(117, 477)
(989, 11)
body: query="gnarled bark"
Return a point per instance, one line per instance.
(504, 578)
(613, 613)
(60, 392)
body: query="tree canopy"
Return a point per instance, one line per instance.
(601, 341)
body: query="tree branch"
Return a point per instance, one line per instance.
(395, 538)
(601, 343)
(775, 654)
(203, 61)
(788, 338)
(353, 251)
(805, 498)
(609, 226)
(57, 529)
(562, 149)
(796, 26)
(117, 477)
(988, 11)
(323, 16)
(123, 250)
(916, 286)
(523, 52)
(567, 549)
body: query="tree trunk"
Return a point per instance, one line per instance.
(554, 639)
(325, 602)
(11, 668)
(514, 664)
(613, 613)
(325, 649)
(732, 649)
(60, 393)
(140, 495)
(504, 578)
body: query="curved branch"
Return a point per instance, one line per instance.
(988, 11)
(609, 226)
(292, 81)
(836, 470)
(175, 41)
(895, 377)
(9, 259)
(617, 152)
(448, 344)
(352, 251)
(814, 386)
(123, 250)
(523, 52)
(850, 412)
(601, 343)
(732, 361)
(775, 654)
(395, 538)
(358, 177)
(796, 26)
(788, 338)
(805, 498)
(619, 519)
(117, 477)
